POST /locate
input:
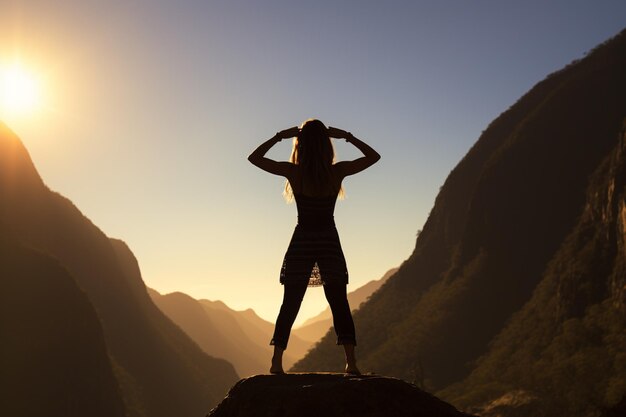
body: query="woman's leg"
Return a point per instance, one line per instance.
(351, 367)
(292, 298)
(342, 320)
(277, 361)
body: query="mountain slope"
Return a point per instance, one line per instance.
(572, 330)
(499, 220)
(160, 370)
(241, 337)
(208, 333)
(53, 357)
(260, 331)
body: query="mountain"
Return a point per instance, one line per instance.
(208, 333)
(159, 369)
(316, 327)
(565, 349)
(53, 357)
(241, 337)
(260, 331)
(513, 300)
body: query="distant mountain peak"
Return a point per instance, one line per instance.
(16, 166)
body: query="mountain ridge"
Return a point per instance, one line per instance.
(241, 337)
(576, 306)
(150, 355)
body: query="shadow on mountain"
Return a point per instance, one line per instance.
(53, 358)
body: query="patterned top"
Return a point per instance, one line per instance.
(314, 252)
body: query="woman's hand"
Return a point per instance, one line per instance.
(337, 133)
(273, 167)
(370, 156)
(288, 133)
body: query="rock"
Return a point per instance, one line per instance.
(618, 410)
(329, 395)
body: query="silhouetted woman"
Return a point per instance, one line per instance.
(314, 256)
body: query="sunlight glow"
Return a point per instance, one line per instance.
(19, 91)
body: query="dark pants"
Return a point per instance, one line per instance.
(338, 300)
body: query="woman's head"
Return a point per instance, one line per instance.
(314, 152)
(312, 146)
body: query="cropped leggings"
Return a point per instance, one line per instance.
(292, 298)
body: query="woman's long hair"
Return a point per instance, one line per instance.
(314, 152)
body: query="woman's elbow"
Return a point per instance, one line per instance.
(256, 160)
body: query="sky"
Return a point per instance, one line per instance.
(148, 110)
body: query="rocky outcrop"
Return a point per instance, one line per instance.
(329, 395)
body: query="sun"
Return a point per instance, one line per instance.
(19, 91)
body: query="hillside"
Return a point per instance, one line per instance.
(507, 246)
(240, 337)
(572, 330)
(160, 370)
(258, 330)
(53, 358)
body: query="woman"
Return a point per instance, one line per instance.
(314, 255)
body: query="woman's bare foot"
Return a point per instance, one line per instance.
(277, 361)
(352, 369)
(276, 368)
(276, 371)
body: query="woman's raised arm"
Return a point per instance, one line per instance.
(269, 165)
(352, 167)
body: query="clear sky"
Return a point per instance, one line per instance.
(149, 109)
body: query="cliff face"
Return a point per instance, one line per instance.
(160, 370)
(525, 236)
(564, 349)
(329, 395)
